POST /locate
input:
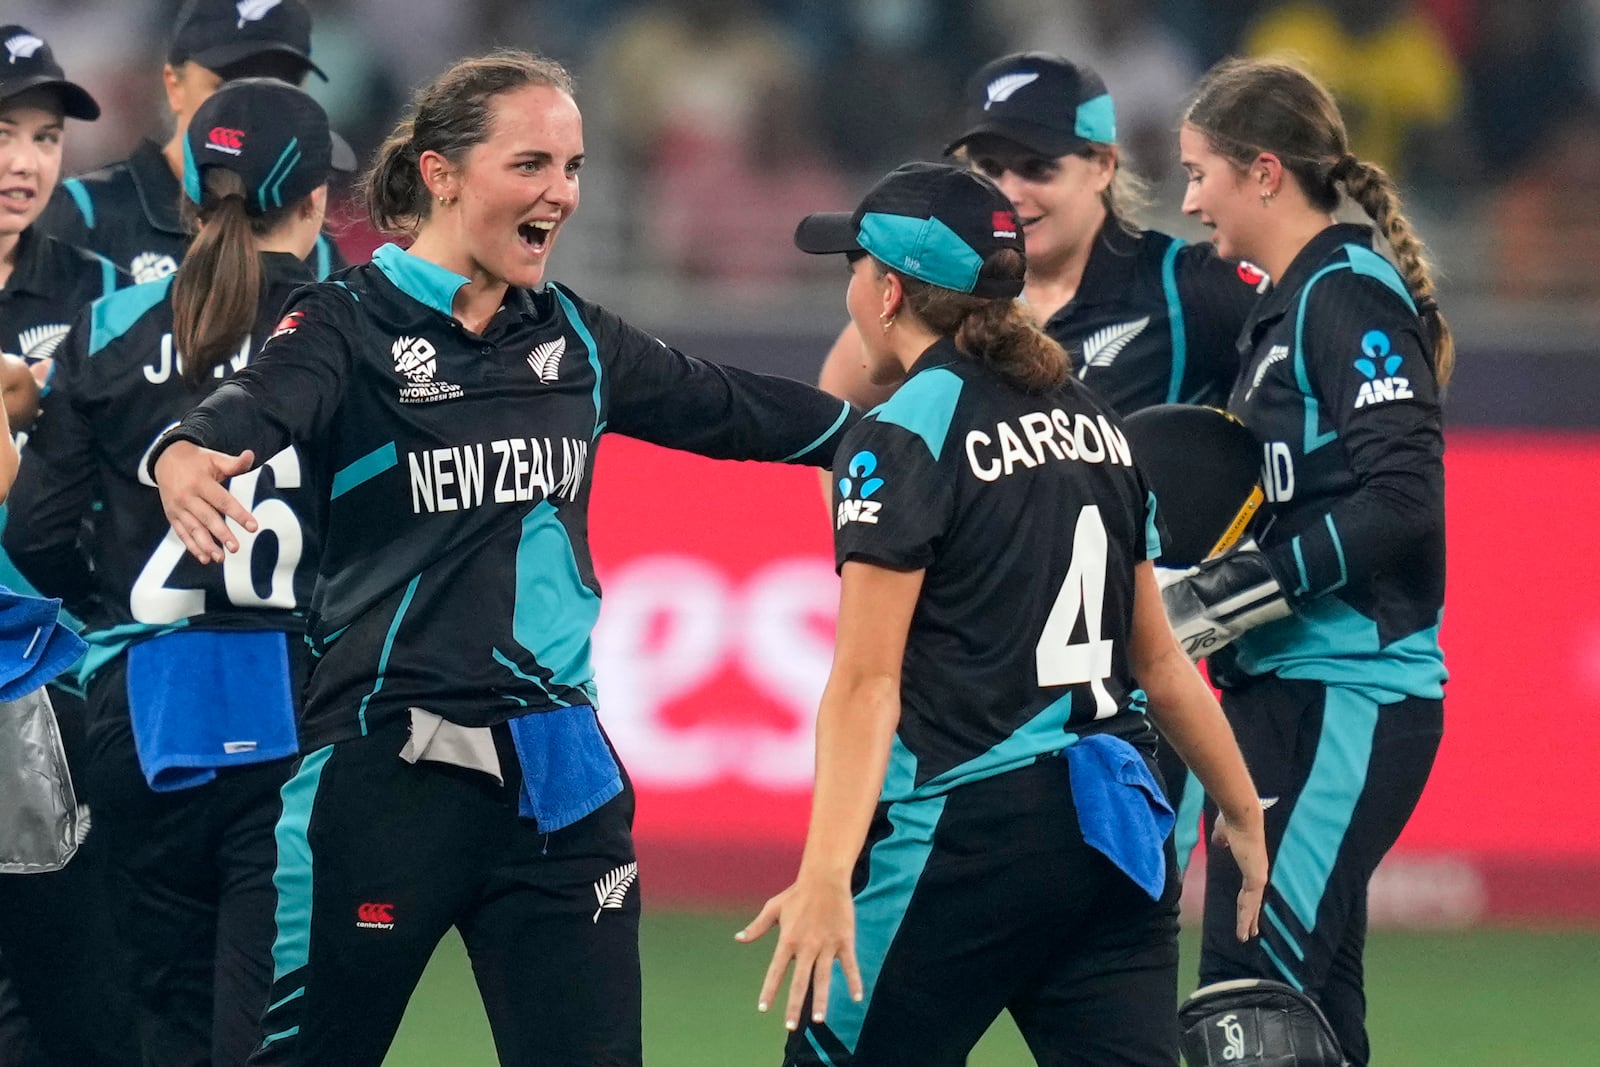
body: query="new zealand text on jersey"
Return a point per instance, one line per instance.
(524, 468)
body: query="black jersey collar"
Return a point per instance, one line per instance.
(1110, 271)
(157, 186)
(941, 353)
(286, 268)
(1316, 252)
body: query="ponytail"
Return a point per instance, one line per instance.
(1370, 186)
(995, 332)
(218, 286)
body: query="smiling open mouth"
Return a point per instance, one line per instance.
(536, 235)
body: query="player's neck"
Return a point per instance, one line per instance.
(1280, 245)
(172, 152)
(1051, 284)
(8, 256)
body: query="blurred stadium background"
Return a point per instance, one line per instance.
(712, 125)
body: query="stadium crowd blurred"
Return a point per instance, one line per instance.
(713, 124)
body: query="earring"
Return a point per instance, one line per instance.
(886, 321)
(1267, 198)
(446, 201)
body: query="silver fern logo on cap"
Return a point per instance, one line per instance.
(254, 10)
(1001, 89)
(22, 46)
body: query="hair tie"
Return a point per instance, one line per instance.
(1427, 306)
(1346, 166)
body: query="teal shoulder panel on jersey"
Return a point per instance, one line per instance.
(924, 405)
(112, 316)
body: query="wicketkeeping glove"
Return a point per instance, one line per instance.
(1222, 598)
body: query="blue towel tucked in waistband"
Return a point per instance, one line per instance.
(204, 699)
(567, 767)
(34, 646)
(1122, 810)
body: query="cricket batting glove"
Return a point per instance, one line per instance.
(1214, 603)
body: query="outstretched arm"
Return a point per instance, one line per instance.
(855, 728)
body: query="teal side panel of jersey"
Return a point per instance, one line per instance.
(1042, 735)
(426, 283)
(1330, 642)
(924, 405)
(571, 311)
(554, 612)
(112, 316)
(1175, 323)
(1313, 439)
(80, 196)
(895, 867)
(1321, 816)
(388, 647)
(1366, 262)
(106, 645)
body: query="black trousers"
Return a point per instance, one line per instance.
(987, 899)
(1342, 774)
(192, 871)
(67, 968)
(378, 858)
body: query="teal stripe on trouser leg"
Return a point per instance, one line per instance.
(1321, 815)
(292, 947)
(896, 866)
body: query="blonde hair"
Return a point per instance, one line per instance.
(1245, 107)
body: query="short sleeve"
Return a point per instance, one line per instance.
(892, 500)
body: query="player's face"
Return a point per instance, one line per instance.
(30, 158)
(519, 186)
(1058, 200)
(864, 300)
(1218, 195)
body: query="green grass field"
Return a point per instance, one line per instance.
(1463, 999)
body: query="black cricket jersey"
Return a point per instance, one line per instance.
(456, 575)
(114, 389)
(50, 283)
(1029, 516)
(1339, 387)
(1155, 320)
(128, 212)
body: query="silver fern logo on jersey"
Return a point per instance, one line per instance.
(612, 890)
(545, 359)
(22, 46)
(414, 358)
(254, 10)
(1276, 354)
(1101, 348)
(41, 342)
(1001, 89)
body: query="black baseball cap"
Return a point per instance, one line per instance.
(219, 33)
(30, 64)
(938, 223)
(1046, 103)
(271, 134)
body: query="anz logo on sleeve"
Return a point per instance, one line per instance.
(1376, 357)
(856, 489)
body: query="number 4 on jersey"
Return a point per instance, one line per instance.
(153, 601)
(1083, 592)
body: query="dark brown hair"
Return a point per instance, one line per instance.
(994, 331)
(1245, 107)
(447, 116)
(218, 286)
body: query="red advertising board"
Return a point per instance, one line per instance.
(715, 638)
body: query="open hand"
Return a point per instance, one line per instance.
(197, 501)
(817, 925)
